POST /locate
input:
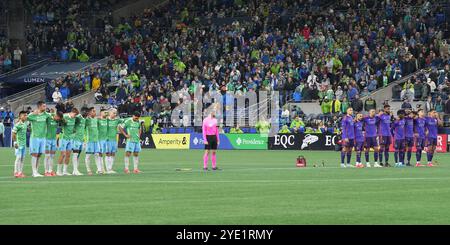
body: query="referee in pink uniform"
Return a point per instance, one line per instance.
(211, 139)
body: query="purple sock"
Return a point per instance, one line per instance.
(367, 156)
(409, 156)
(380, 155)
(386, 156)
(349, 157)
(402, 156)
(342, 157)
(396, 156)
(429, 157)
(418, 155)
(358, 156)
(375, 156)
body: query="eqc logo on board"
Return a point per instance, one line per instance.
(284, 140)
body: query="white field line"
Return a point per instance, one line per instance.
(268, 181)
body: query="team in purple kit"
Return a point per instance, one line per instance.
(378, 132)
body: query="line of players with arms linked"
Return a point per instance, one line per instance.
(378, 131)
(85, 129)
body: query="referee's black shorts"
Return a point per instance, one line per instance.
(212, 142)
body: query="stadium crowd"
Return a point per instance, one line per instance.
(339, 55)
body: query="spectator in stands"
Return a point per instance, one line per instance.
(352, 92)
(432, 85)
(370, 104)
(96, 82)
(57, 96)
(447, 106)
(344, 105)
(335, 106)
(364, 92)
(285, 115)
(406, 104)
(339, 94)
(284, 130)
(236, 130)
(407, 91)
(297, 125)
(8, 117)
(439, 104)
(373, 83)
(64, 91)
(69, 105)
(17, 57)
(60, 106)
(357, 104)
(326, 106)
(418, 88)
(429, 105)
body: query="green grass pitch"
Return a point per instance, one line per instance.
(255, 187)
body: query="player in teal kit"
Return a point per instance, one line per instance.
(111, 143)
(38, 120)
(65, 141)
(131, 129)
(78, 140)
(102, 136)
(19, 137)
(92, 146)
(50, 142)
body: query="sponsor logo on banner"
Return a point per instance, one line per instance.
(308, 140)
(171, 141)
(303, 142)
(198, 143)
(248, 141)
(283, 141)
(146, 141)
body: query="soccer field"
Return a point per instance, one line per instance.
(255, 187)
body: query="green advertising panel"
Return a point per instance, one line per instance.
(248, 141)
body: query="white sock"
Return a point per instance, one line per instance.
(87, 161)
(75, 162)
(111, 163)
(98, 162)
(127, 162)
(108, 163)
(65, 168)
(135, 162)
(46, 160)
(34, 165)
(59, 168)
(50, 163)
(17, 165)
(21, 163)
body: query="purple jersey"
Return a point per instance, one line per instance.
(348, 128)
(370, 126)
(399, 129)
(385, 125)
(359, 135)
(431, 125)
(419, 127)
(409, 127)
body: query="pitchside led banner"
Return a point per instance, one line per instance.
(171, 141)
(233, 141)
(197, 142)
(441, 144)
(248, 141)
(303, 142)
